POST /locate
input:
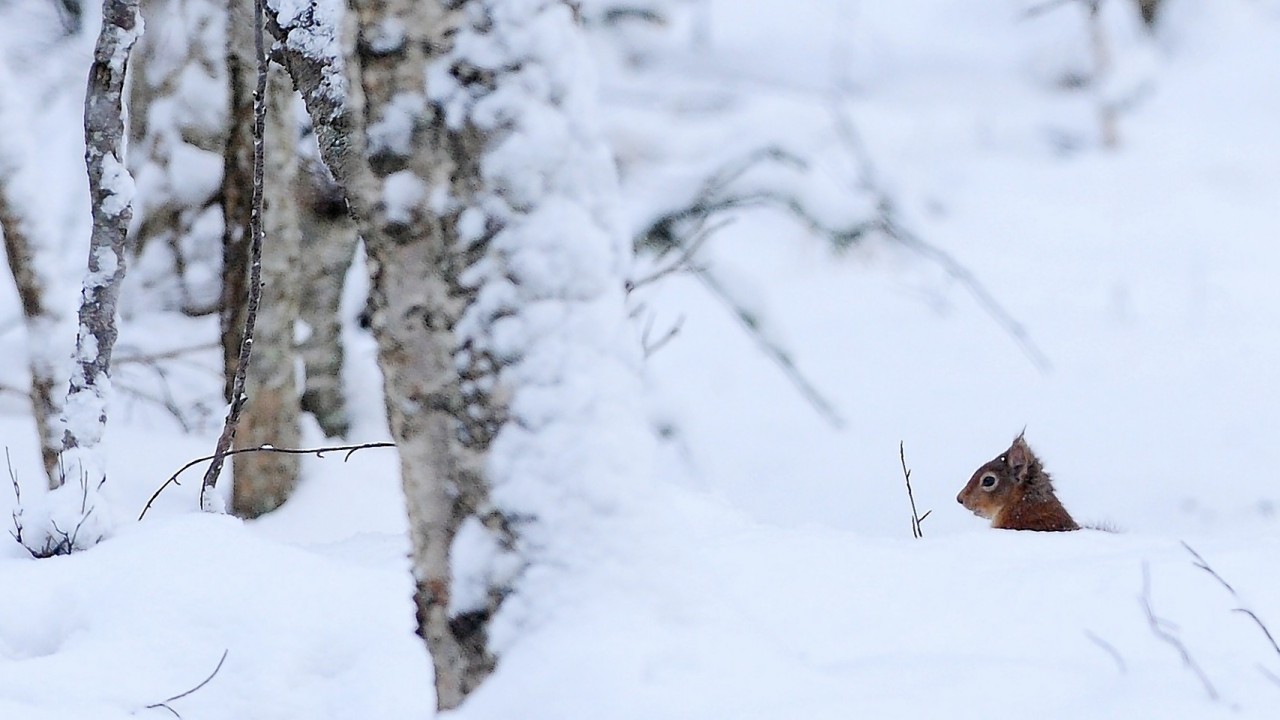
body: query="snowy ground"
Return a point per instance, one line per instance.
(772, 573)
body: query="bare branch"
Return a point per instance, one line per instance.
(652, 346)
(684, 262)
(165, 703)
(1157, 628)
(238, 397)
(318, 452)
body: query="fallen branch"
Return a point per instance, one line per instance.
(318, 452)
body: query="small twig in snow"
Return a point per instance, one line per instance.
(165, 703)
(916, 518)
(318, 452)
(1157, 627)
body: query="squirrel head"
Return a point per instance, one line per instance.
(1012, 477)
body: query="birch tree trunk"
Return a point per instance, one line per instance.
(73, 516)
(485, 197)
(263, 481)
(111, 192)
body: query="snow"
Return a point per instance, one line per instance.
(117, 186)
(764, 567)
(402, 194)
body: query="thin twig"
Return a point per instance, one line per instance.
(165, 703)
(652, 346)
(16, 513)
(318, 452)
(238, 397)
(1109, 649)
(685, 260)
(1170, 638)
(916, 531)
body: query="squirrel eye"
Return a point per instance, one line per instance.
(988, 481)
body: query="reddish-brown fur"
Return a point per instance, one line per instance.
(1020, 496)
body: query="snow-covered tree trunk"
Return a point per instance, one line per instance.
(111, 194)
(27, 241)
(329, 242)
(486, 201)
(262, 481)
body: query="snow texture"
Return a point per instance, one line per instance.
(549, 304)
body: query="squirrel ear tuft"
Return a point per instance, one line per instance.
(1019, 457)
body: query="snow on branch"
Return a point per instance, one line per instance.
(309, 44)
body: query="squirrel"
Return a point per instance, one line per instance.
(1014, 492)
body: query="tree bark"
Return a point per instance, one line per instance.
(262, 481)
(237, 184)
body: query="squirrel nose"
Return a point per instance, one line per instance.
(959, 499)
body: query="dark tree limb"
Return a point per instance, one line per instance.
(318, 452)
(238, 397)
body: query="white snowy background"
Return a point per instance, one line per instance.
(770, 572)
